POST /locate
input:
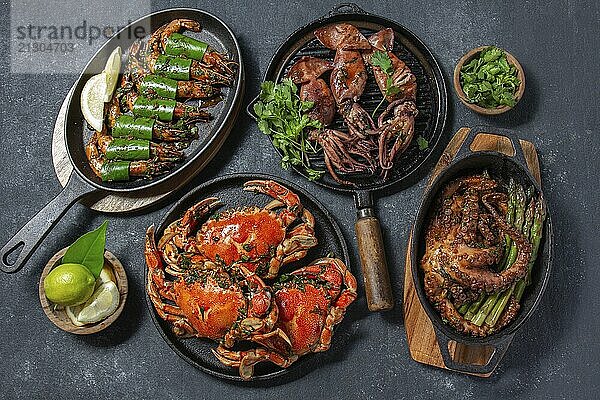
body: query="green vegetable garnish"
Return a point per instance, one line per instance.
(382, 60)
(88, 250)
(489, 80)
(281, 114)
(422, 142)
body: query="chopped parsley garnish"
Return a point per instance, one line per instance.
(489, 80)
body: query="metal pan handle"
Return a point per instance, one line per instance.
(500, 348)
(17, 251)
(465, 148)
(372, 255)
(346, 8)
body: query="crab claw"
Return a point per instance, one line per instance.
(278, 192)
(275, 343)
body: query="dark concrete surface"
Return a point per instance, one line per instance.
(556, 354)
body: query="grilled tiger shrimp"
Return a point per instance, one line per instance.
(108, 145)
(105, 169)
(311, 301)
(168, 40)
(185, 112)
(258, 239)
(180, 131)
(138, 69)
(221, 304)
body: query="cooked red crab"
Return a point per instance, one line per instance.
(212, 302)
(259, 239)
(311, 301)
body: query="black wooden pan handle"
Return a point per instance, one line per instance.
(372, 256)
(17, 251)
(499, 346)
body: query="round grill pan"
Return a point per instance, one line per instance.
(431, 103)
(228, 188)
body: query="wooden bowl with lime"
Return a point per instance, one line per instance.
(489, 80)
(83, 287)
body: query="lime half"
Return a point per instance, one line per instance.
(92, 100)
(103, 303)
(112, 69)
(69, 284)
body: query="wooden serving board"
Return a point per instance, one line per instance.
(420, 335)
(63, 168)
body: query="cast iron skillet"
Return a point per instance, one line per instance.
(83, 181)
(228, 188)
(432, 106)
(504, 167)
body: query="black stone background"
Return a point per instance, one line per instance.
(555, 355)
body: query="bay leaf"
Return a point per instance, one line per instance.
(88, 250)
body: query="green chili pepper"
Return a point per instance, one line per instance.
(138, 128)
(154, 108)
(115, 171)
(154, 85)
(125, 149)
(173, 67)
(181, 45)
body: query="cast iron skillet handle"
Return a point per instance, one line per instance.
(372, 255)
(500, 348)
(17, 251)
(346, 8)
(465, 148)
(250, 108)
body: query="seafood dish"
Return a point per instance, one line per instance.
(481, 244)
(220, 276)
(368, 145)
(169, 83)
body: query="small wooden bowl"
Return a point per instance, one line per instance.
(59, 316)
(463, 97)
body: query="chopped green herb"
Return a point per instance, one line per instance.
(281, 114)
(422, 142)
(489, 80)
(247, 247)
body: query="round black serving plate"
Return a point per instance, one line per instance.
(228, 188)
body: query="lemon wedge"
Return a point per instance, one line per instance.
(103, 303)
(112, 69)
(92, 100)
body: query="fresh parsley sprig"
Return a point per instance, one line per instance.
(282, 115)
(382, 60)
